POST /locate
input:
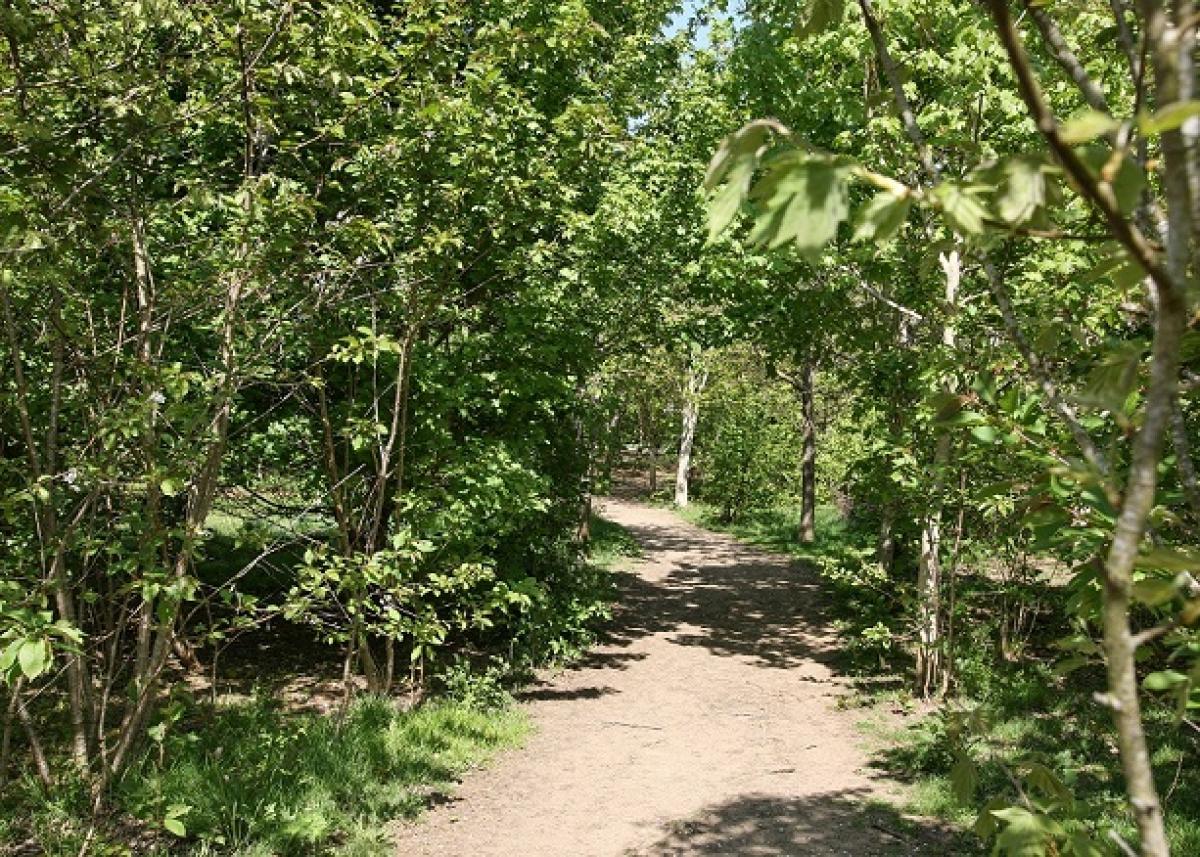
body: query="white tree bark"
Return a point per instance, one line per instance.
(929, 568)
(697, 380)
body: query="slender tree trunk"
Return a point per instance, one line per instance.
(203, 489)
(35, 744)
(929, 584)
(10, 717)
(808, 463)
(611, 446)
(885, 549)
(929, 568)
(1167, 291)
(1183, 458)
(697, 379)
(952, 586)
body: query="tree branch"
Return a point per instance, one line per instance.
(1065, 57)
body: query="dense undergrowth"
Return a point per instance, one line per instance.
(1008, 712)
(256, 774)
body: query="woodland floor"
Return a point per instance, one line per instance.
(705, 723)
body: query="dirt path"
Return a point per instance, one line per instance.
(704, 725)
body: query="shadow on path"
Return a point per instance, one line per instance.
(844, 822)
(709, 590)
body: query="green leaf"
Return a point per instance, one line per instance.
(1086, 126)
(964, 778)
(961, 206)
(1168, 118)
(1154, 591)
(1083, 845)
(1039, 777)
(34, 657)
(1127, 182)
(175, 826)
(1169, 559)
(1112, 379)
(1128, 275)
(8, 657)
(1023, 189)
(1025, 833)
(170, 487)
(1068, 665)
(882, 217)
(820, 16)
(728, 201)
(803, 199)
(744, 143)
(985, 434)
(986, 824)
(1164, 680)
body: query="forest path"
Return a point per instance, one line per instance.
(705, 723)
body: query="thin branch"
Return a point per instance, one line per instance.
(907, 116)
(1041, 373)
(1099, 193)
(1125, 37)
(1065, 57)
(1183, 458)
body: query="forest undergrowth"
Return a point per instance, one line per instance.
(277, 762)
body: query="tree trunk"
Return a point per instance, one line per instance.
(808, 464)
(929, 573)
(885, 550)
(697, 379)
(929, 568)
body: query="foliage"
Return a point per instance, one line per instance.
(327, 270)
(1083, 420)
(749, 436)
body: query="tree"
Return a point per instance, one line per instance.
(1032, 195)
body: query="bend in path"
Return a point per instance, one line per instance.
(704, 724)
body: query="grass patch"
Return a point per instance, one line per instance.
(777, 528)
(252, 779)
(610, 543)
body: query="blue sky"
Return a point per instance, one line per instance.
(679, 21)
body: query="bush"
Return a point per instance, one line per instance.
(751, 456)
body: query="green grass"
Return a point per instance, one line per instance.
(777, 528)
(610, 543)
(251, 779)
(1062, 728)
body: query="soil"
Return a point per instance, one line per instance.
(706, 723)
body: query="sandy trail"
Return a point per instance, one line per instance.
(705, 724)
